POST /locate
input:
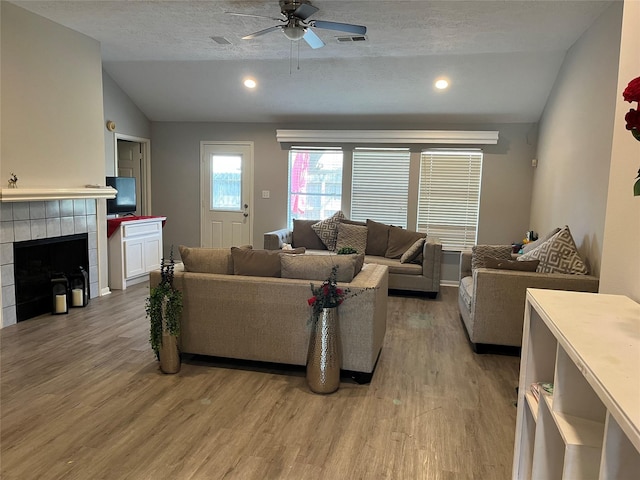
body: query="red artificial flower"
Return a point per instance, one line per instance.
(632, 92)
(311, 301)
(339, 291)
(633, 119)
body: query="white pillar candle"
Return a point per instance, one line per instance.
(61, 303)
(76, 297)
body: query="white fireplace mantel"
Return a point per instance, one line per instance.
(43, 193)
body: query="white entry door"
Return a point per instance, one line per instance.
(226, 193)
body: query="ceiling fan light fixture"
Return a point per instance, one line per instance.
(294, 32)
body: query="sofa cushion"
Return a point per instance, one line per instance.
(206, 260)
(377, 238)
(400, 240)
(480, 252)
(394, 265)
(413, 252)
(304, 236)
(259, 263)
(500, 264)
(318, 267)
(526, 248)
(354, 236)
(559, 254)
(327, 229)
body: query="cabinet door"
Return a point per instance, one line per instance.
(134, 258)
(152, 253)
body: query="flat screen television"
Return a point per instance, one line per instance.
(125, 201)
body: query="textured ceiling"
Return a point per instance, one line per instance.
(502, 58)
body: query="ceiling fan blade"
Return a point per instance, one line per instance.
(262, 32)
(312, 39)
(256, 16)
(341, 27)
(304, 11)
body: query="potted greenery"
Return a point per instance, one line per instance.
(163, 308)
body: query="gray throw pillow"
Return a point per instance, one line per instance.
(480, 252)
(318, 267)
(353, 236)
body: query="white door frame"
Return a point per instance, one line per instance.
(203, 186)
(145, 168)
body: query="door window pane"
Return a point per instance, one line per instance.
(226, 182)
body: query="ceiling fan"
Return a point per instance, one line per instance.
(296, 24)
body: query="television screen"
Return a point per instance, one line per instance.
(125, 201)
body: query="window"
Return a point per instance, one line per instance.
(449, 196)
(315, 183)
(226, 182)
(380, 185)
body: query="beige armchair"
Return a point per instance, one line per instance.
(491, 301)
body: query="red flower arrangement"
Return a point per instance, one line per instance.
(632, 94)
(327, 295)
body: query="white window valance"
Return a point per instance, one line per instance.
(458, 137)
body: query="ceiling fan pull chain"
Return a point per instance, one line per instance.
(298, 59)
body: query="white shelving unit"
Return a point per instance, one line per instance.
(135, 249)
(588, 346)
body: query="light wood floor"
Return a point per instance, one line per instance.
(82, 398)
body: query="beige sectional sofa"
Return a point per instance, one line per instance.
(265, 318)
(385, 245)
(492, 300)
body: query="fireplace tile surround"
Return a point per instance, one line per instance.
(32, 220)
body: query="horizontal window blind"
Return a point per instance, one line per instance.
(449, 196)
(380, 186)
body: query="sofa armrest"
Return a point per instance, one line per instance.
(274, 240)
(465, 264)
(432, 261)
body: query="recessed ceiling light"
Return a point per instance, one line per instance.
(441, 84)
(250, 83)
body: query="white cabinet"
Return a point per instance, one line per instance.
(588, 346)
(135, 249)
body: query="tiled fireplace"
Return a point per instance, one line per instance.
(35, 214)
(34, 220)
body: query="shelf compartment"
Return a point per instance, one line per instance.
(572, 393)
(619, 456)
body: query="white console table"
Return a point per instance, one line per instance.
(588, 346)
(135, 249)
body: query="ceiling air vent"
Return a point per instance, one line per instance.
(351, 38)
(221, 40)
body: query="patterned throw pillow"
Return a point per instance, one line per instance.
(354, 236)
(480, 252)
(327, 230)
(559, 254)
(413, 252)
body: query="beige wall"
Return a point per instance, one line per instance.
(576, 131)
(506, 184)
(51, 103)
(52, 113)
(620, 272)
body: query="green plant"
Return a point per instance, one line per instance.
(346, 251)
(164, 306)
